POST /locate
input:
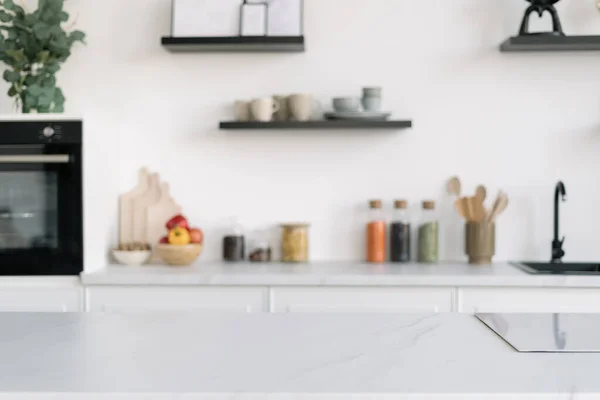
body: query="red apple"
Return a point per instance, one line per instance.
(178, 220)
(164, 240)
(196, 235)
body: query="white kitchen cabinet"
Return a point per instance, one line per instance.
(176, 298)
(534, 299)
(362, 299)
(41, 299)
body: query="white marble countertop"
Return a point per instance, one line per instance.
(333, 274)
(284, 356)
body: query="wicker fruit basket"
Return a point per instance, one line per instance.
(179, 255)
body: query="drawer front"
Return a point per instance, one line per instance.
(362, 299)
(539, 300)
(41, 300)
(134, 299)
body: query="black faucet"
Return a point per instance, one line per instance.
(557, 250)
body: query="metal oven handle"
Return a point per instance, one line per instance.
(34, 158)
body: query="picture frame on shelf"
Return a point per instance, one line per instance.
(286, 18)
(205, 18)
(254, 18)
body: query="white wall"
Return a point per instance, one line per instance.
(512, 121)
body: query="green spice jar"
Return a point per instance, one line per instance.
(428, 234)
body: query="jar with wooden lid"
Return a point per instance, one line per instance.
(294, 242)
(428, 234)
(376, 233)
(400, 233)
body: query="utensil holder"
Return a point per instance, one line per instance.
(480, 242)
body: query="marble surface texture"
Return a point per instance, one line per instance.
(277, 356)
(333, 274)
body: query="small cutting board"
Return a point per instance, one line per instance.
(126, 206)
(140, 208)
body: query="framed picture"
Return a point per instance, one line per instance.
(205, 18)
(254, 19)
(286, 18)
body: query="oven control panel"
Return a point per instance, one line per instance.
(51, 132)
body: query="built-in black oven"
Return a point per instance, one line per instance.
(41, 210)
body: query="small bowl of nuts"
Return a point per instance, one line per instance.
(132, 253)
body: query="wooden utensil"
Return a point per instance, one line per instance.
(466, 205)
(453, 186)
(500, 205)
(477, 208)
(126, 206)
(481, 193)
(458, 204)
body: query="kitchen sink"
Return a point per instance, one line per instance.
(565, 268)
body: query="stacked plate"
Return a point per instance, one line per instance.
(358, 115)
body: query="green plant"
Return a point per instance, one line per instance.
(34, 45)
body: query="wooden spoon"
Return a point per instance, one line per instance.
(477, 208)
(500, 205)
(467, 208)
(481, 193)
(453, 186)
(458, 204)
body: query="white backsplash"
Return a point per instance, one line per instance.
(513, 121)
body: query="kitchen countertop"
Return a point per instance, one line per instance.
(333, 274)
(285, 356)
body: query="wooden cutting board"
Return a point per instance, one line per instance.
(159, 213)
(126, 206)
(140, 208)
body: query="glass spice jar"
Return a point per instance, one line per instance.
(294, 243)
(233, 242)
(260, 248)
(400, 233)
(375, 233)
(428, 234)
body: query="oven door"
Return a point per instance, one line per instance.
(41, 212)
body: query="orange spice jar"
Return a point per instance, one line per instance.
(376, 233)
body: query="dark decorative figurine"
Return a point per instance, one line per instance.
(541, 6)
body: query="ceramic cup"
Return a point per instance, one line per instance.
(301, 106)
(283, 114)
(371, 103)
(263, 109)
(242, 110)
(371, 100)
(371, 92)
(346, 104)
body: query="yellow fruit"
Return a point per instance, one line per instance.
(179, 236)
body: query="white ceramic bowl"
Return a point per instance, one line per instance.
(137, 257)
(346, 104)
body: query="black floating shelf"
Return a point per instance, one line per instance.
(333, 124)
(551, 43)
(234, 44)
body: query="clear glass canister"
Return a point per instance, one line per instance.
(294, 242)
(260, 248)
(233, 241)
(428, 234)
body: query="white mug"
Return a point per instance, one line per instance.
(242, 110)
(301, 106)
(264, 108)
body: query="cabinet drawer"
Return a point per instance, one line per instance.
(204, 299)
(41, 300)
(362, 299)
(529, 300)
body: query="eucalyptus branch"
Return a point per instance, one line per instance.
(33, 44)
